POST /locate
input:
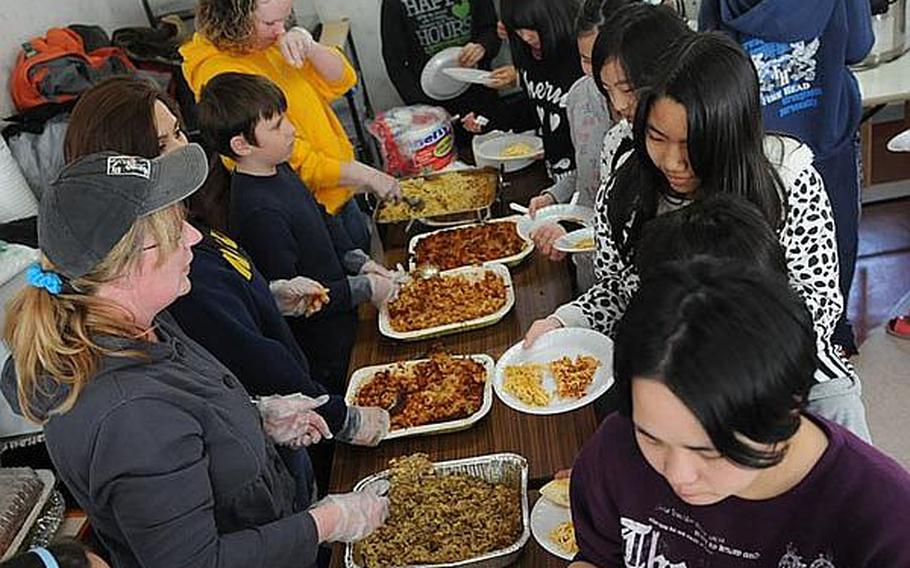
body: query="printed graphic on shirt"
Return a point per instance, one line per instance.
(792, 559)
(672, 539)
(232, 254)
(440, 23)
(787, 74)
(550, 104)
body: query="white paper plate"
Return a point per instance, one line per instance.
(554, 214)
(436, 84)
(385, 326)
(468, 75)
(569, 342)
(364, 374)
(513, 260)
(546, 516)
(569, 241)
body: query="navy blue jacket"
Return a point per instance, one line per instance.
(287, 233)
(801, 50)
(231, 312)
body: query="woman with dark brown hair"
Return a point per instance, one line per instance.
(107, 116)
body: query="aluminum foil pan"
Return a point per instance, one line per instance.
(486, 193)
(511, 469)
(510, 261)
(364, 374)
(385, 325)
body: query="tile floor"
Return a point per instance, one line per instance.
(883, 266)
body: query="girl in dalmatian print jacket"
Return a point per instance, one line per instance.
(699, 131)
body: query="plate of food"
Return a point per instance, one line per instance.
(510, 151)
(468, 75)
(564, 370)
(581, 240)
(571, 217)
(494, 241)
(469, 513)
(551, 520)
(451, 301)
(440, 194)
(442, 393)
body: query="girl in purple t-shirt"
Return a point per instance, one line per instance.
(712, 460)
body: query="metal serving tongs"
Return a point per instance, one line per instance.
(414, 202)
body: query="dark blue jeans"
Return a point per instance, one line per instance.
(840, 171)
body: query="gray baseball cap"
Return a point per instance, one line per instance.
(95, 201)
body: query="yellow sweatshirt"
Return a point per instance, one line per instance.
(321, 145)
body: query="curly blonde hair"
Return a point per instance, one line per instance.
(228, 24)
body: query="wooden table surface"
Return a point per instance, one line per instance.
(548, 442)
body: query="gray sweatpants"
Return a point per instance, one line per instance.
(839, 401)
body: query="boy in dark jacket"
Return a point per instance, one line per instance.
(801, 51)
(278, 222)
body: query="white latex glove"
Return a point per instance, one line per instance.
(384, 186)
(364, 426)
(545, 236)
(295, 45)
(350, 517)
(538, 328)
(373, 267)
(539, 202)
(381, 288)
(299, 296)
(291, 420)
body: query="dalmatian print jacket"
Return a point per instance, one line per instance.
(807, 238)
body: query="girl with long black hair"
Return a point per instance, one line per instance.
(713, 459)
(698, 131)
(589, 120)
(542, 41)
(625, 56)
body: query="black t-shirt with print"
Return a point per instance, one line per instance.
(547, 85)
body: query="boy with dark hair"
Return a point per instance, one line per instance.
(279, 222)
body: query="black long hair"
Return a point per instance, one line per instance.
(722, 225)
(553, 20)
(637, 36)
(714, 80)
(594, 13)
(734, 344)
(68, 554)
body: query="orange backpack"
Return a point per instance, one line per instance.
(56, 68)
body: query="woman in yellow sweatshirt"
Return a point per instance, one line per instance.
(249, 36)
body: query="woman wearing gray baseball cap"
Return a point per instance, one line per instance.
(158, 442)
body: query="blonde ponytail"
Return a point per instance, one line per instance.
(52, 336)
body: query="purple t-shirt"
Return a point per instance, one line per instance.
(851, 511)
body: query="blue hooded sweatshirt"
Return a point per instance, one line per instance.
(801, 50)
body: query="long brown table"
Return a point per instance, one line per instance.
(548, 442)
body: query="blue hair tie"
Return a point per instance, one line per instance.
(46, 557)
(48, 280)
